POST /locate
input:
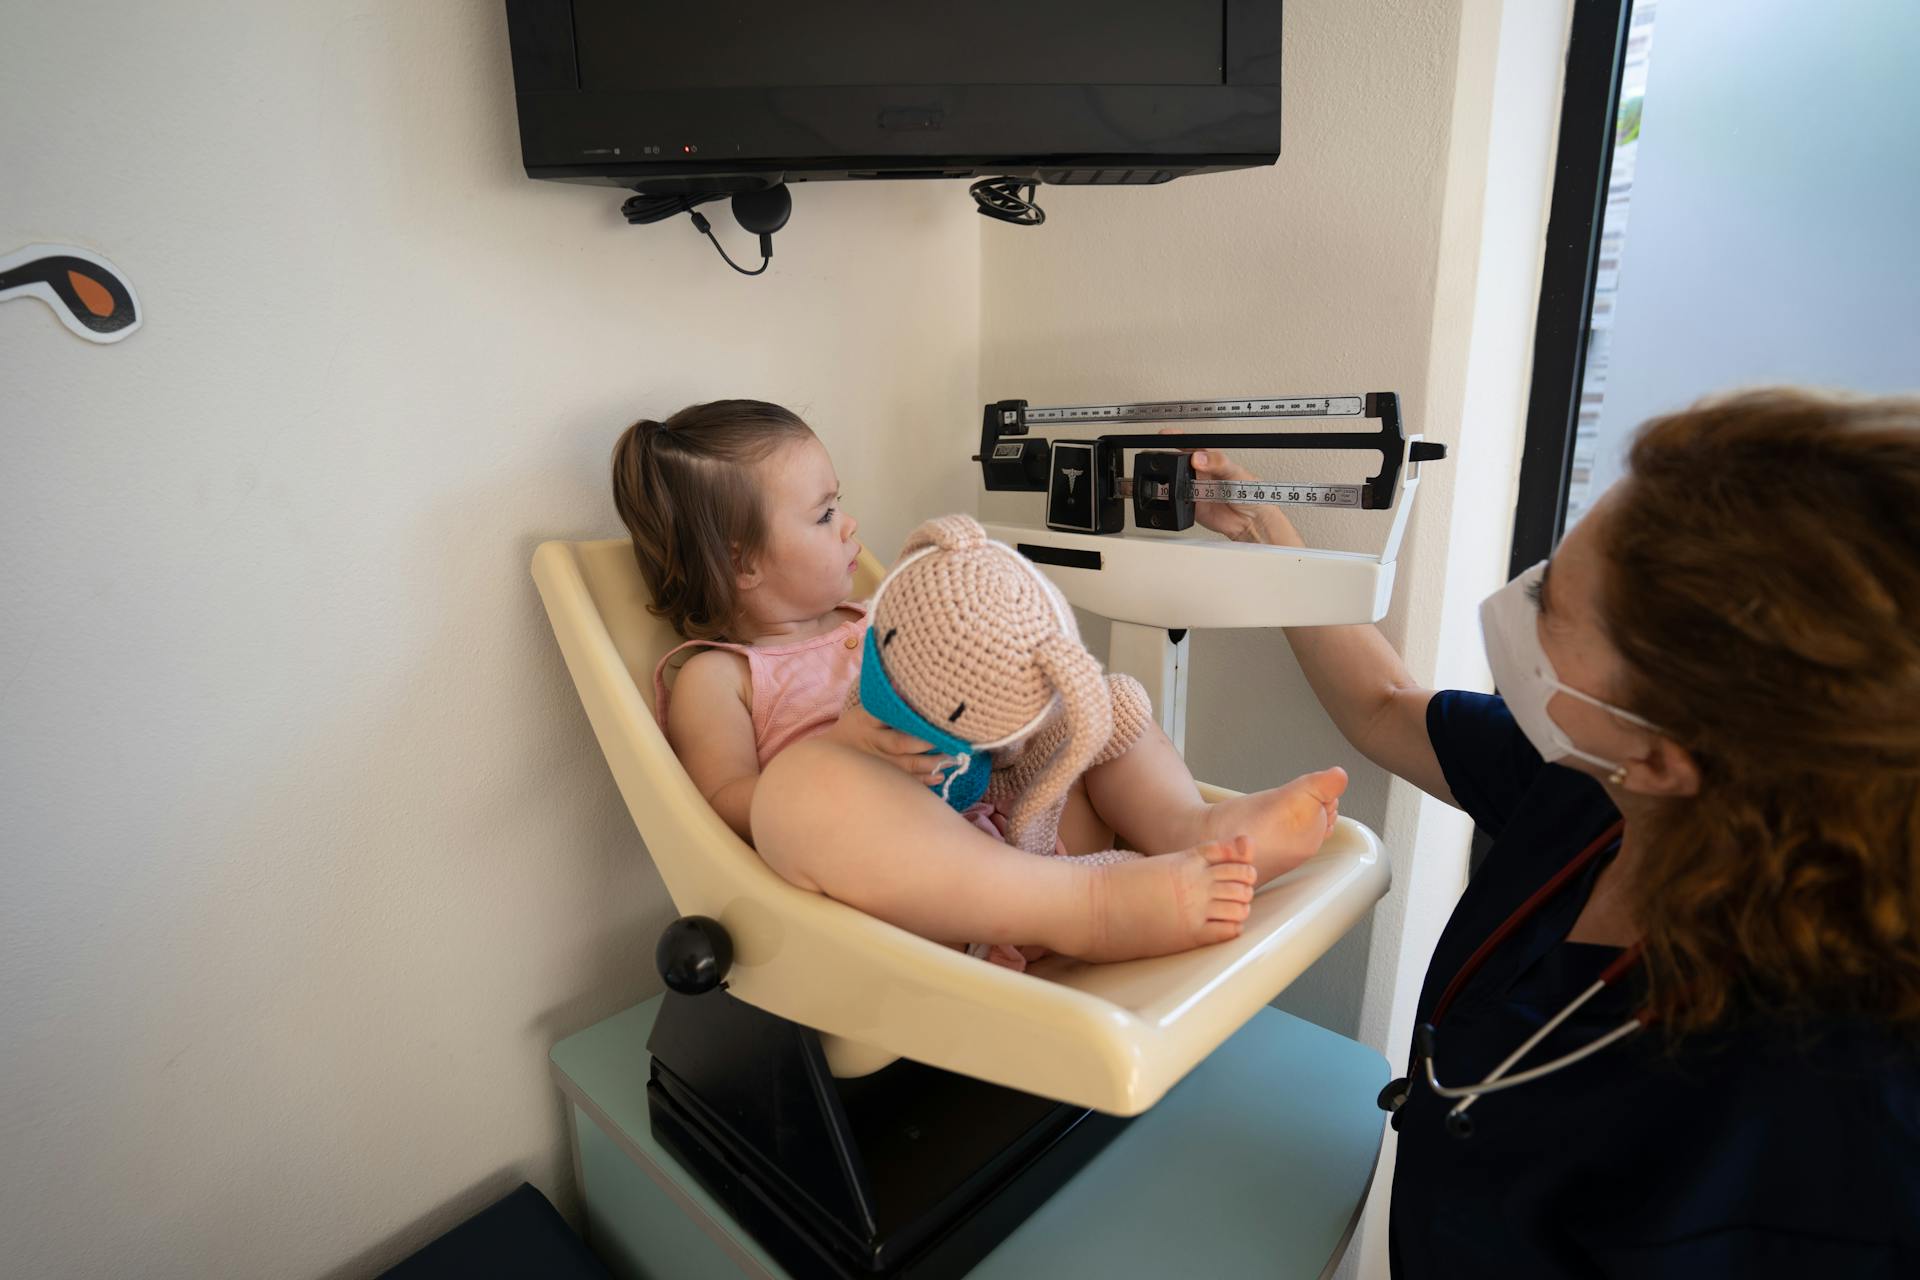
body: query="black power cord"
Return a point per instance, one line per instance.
(763, 212)
(643, 209)
(1002, 198)
(706, 229)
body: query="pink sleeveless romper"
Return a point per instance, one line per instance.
(798, 689)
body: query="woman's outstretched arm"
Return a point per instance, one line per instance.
(1375, 703)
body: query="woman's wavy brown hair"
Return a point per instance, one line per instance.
(1764, 589)
(685, 490)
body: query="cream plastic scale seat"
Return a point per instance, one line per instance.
(1112, 1037)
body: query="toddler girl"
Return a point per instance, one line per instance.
(734, 508)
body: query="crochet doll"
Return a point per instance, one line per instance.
(972, 649)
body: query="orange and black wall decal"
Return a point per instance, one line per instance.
(86, 291)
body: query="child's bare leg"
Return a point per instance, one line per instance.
(857, 829)
(1149, 797)
(1082, 829)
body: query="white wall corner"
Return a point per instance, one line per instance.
(1509, 67)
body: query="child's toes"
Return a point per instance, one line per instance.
(1235, 873)
(1226, 852)
(1222, 909)
(1233, 890)
(1328, 784)
(1218, 931)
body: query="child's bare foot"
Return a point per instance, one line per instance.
(1287, 824)
(1171, 902)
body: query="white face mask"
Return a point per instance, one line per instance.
(1509, 620)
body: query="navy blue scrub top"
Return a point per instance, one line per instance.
(1758, 1151)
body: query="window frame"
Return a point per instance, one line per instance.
(1590, 105)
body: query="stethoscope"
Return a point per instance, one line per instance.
(1458, 1122)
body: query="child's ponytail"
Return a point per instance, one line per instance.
(685, 490)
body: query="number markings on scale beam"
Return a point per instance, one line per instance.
(1198, 410)
(1240, 491)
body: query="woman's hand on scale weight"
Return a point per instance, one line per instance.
(1242, 523)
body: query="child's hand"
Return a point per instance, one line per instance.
(862, 732)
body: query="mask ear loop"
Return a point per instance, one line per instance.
(961, 763)
(1616, 771)
(1618, 774)
(1629, 716)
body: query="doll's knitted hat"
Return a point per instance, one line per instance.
(976, 641)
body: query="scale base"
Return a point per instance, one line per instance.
(907, 1172)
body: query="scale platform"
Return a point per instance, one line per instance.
(1254, 1165)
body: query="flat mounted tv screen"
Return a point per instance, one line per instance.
(710, 96)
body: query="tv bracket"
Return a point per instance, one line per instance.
(1156, 589)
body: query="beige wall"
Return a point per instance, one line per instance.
(309, 854)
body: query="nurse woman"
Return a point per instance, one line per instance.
(1701, 910)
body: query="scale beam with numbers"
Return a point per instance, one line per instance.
(1242, 493)
(1156, 589)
